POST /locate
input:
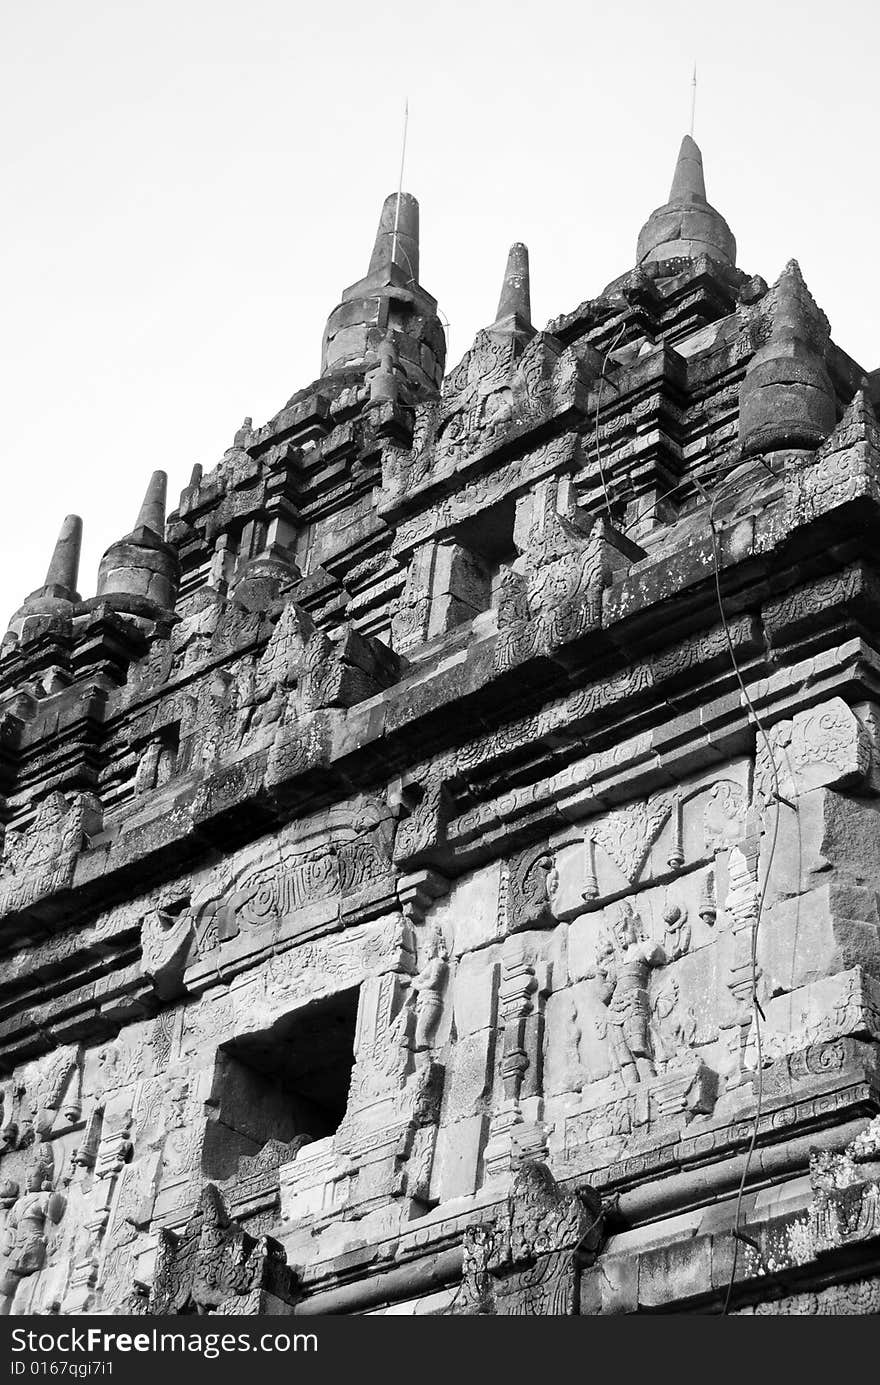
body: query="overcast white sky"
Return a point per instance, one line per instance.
(190, 183)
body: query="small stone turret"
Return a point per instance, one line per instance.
(139, 573)
(786, 397)
(51, 605)
(686, 226)
(515, 305)
(389, 303)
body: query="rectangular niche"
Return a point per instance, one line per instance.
(290, 1079)
(476, 558)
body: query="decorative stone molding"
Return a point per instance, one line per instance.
(528, 1258)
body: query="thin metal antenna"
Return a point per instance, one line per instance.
(693, 99)
(400, 180)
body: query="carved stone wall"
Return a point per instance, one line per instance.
(432, 910)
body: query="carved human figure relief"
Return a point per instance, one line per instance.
(723, 815)
(676, 932)
(35, 1209)
(427, 991)
(623, 967)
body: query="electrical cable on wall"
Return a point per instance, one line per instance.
(400, 181)
(757, 1014)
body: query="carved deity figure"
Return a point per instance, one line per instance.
(427, 988)
(677, 932)
(26, 1232)
(623, 967)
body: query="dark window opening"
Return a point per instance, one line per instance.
(484, 551)
(288, 1080)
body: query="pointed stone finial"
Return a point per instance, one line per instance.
(244, 433)
(389, 300)
(688, 184)
(64, 567)
(139, 573)
(49, 607)
(795, 310)
(404, 245)
(515, 297)
(786, 398)
(687, 226)
(152, 512)
(857, 426)
(860, 413)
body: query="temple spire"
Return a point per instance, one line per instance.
(515, 297)
(402, 243)
(64, 568)
(786, 397)
(50, 606)
(687, 226)
(389, 306)
(139, 573)
(152, 512)
(688, 183)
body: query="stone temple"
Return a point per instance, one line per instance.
(441, 862)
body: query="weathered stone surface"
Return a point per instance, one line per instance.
(526, 1261)
(442, 860)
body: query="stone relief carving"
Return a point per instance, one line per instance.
(477, 399)
(742, 906)
(614, 779)
(426, 990)
(259, 701)
(516, 1127)
(567, 565)
(844, 1209)
(502, 387)
(33, 1209)
(825, 746)
(384, 1147)
(214, 1266)
(530, 884)
(628, 834)
(40, 859)
(166, 940)
(638, 1022)
(421, 832)
(337, 865)
(677, 932)
(527, 1259)
(723, 815)
(622, 970)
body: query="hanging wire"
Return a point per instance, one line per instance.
(757, 1013)
(400, 181)
(689, 481)
(412, 277)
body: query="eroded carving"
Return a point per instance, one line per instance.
(213, 1266)
(527, 1260)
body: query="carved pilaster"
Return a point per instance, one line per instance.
(516, 1128)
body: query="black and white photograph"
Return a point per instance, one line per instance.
(439, 672)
